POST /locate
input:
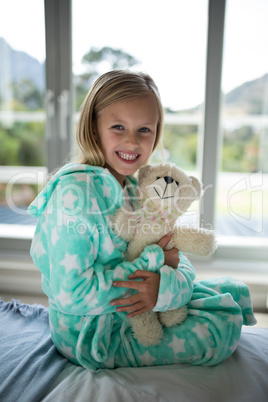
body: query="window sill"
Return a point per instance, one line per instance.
(17, 232)
(18, 274)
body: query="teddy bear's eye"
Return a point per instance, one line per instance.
(177, 183)
(158, 178)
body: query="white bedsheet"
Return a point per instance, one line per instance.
(242, 377)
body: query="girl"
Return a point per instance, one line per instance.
(92, 289)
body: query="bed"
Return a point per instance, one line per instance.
(31, 369)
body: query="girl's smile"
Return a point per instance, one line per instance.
(127, 156)
(125, 132)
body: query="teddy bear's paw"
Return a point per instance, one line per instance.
(209, 244)
(171, 318)
(147, 329)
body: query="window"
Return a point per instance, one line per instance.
(241, 209)
(22, 114)
(164, 40)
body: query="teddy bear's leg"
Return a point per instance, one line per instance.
(147, 329)
(171, 318)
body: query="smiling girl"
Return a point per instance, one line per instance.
(92, 289)
(126, 133)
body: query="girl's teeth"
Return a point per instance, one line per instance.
(127, 157)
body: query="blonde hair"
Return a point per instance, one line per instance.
(111, 87)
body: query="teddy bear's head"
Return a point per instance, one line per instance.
(167, 185)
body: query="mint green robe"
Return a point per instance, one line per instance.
(80, 256)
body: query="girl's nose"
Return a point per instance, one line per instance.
(132, 139)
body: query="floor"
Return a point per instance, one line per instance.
(262, 318)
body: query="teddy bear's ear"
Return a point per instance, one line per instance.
(143, 171)
(197, 186)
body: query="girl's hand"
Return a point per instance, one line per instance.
(146, 297)
(172, 258)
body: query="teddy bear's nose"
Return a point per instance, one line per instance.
(168, 179)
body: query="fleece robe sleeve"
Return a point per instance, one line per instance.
(176, 285)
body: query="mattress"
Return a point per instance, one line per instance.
(31, 369)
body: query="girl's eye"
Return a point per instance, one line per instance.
(144, 129)
(118, 127)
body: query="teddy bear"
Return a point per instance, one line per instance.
(164, 193)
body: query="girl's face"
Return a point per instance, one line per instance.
(125, 132)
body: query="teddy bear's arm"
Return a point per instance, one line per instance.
(192, 240)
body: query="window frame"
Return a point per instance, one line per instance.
(59, 87)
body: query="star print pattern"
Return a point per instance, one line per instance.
(64, 298)
(147, 359)
(54, 236)
(177, 345)
(106, 190)
(81, 177)
(201, 330)
(70, 262)
(63, 326)
(164, 300)
(69, 199)
(152, 260)
(108, 245)
(67, 351)
(38, 247)
(119, 273)
(80, 257)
